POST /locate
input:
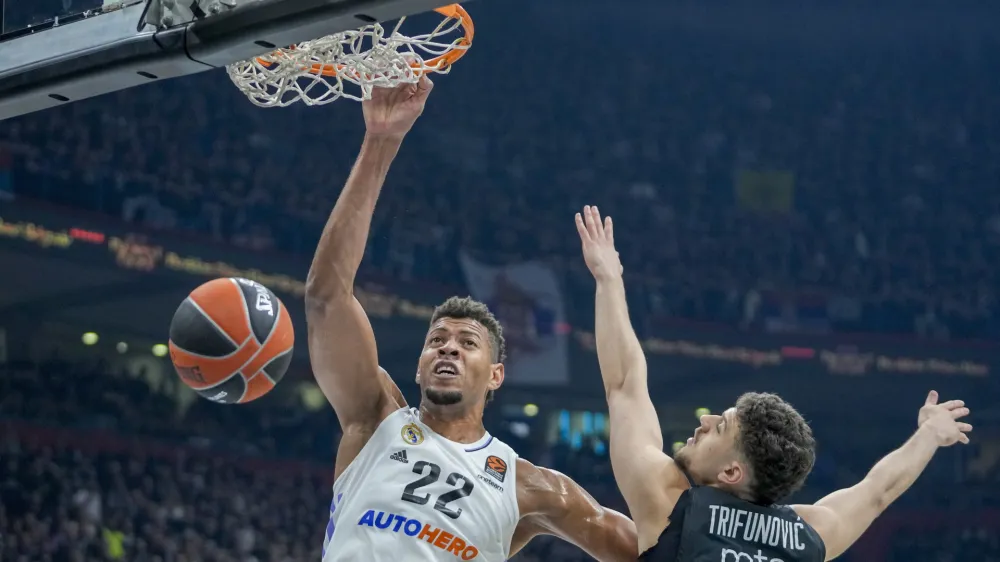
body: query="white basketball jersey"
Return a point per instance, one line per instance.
(411, 494)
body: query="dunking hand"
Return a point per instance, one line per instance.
(391, 112)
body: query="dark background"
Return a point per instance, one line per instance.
(860, 275)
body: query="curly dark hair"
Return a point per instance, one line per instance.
(467, 307)
(777, 443)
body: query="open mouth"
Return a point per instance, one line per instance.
(445, 370)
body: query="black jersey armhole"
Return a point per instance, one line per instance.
(668, 546)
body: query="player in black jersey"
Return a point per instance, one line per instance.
(718, 499)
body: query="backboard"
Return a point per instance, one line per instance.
(58, 51)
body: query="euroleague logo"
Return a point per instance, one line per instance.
(496, 467)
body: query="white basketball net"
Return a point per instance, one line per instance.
(353, 62)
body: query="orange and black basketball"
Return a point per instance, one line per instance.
(231, 340)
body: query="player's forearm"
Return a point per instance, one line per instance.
(618, 350)
(898, 470)
(342, 244)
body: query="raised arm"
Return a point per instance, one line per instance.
(551, 503)
(648, 478)
(843, 516)
(341, 341)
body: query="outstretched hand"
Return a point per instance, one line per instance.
(942, 420)
(393, 111)
(598, 239)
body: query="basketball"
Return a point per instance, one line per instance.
(231, 340)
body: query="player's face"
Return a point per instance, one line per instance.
(456, 364)
(710, 455)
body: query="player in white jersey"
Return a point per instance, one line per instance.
(426, 483)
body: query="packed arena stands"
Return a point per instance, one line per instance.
(755, 189)
(106, 468)
(889, 219)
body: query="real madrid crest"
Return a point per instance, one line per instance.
(412, 434)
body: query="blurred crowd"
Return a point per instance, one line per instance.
(63, 504)
(100, 464)
(849, 190)
(96, 464)
(752, 185)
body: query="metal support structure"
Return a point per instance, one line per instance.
(105, 53)
(163, 14)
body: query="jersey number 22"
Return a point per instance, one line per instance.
(463, 487)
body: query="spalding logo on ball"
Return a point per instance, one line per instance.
(231, 340)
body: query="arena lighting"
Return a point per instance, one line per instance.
(122, 347)
(160, 350)
(312, 397)
(530, 410)
(89, 338)
(678, 445)
(87, 235)
(698, 413)
(520, 429)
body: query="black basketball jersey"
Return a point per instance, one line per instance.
(709, 525)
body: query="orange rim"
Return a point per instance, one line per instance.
(439, 63)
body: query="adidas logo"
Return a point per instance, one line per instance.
(400, 456)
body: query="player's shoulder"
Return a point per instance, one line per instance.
(540, 489)
(496, 446)
(532, 475)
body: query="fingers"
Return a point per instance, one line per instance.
(952, 404)
(932, 398)
(425, 85)
(963, 439)
(965, 427)
(581, 229)
(589, 223)
(594, 225)
(598, 227)
(959, 413)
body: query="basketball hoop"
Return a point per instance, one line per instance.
(318, 72)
